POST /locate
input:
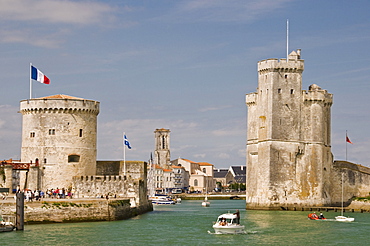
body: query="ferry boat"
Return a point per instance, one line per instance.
(228, 224)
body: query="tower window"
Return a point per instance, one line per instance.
(51, 131)
(286, 76)
(291, 91)
(279, 90)
(73, 158)
(163, 142)
(32, 134)
(80, 132)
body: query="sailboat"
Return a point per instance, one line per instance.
(206, 203)
(341, 217)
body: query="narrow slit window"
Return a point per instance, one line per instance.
(80, 133)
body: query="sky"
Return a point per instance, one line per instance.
(182, 65)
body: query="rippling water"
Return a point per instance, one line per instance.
(188, 224)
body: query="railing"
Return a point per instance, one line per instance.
(19, 166)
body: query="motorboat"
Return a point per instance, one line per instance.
(313, 216)
(7, 223)
(228, 223)
(162, 200)
(6, 226)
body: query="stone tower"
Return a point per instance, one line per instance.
(58, 135)
(162, 147)
(289, 157)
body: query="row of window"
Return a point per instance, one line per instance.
(51, 132)
(279, 91)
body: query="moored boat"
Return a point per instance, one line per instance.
(228, 223)
(6, 226)
(162, 200)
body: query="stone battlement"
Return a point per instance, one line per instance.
(276, 65)
(59, 105)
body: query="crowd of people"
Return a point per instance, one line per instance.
(37, 195)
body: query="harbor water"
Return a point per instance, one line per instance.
(189, 223)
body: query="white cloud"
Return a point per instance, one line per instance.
(55, 11)
(224, 11)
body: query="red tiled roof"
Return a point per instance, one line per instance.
(60, 96)
(205, 164)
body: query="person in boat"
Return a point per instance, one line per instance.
(223, 222)
(237, 216)
(321, 216)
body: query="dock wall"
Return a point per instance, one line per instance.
(73, 210)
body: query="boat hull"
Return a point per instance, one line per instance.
(205, 204)
(344, 219)
(229, 229)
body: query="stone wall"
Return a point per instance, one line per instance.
(356, 182)
(75, 210)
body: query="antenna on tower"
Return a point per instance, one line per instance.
(287, 40)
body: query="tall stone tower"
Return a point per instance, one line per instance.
(58, 135)
(289, 157)
(162, 147)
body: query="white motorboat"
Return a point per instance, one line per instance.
(228, 224)
(341, 217)
(6, 226)
(162, 200)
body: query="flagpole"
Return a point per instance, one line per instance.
(30, 80)
(124, 156)
(346, 144)
(287, 39)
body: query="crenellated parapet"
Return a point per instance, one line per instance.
(293, 65)
(275, 65)
(317, 95)
(251, 99)
(68, 105)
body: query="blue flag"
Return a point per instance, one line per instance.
(126, 141)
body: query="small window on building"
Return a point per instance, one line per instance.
(80, 133)
(204, 170)
(45, 160)
(286, 76)
(51, 131)
(73, 158)
(195, 182)
(279, 90)
(32, 134)
(291, 91)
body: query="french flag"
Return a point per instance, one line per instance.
(39, 76)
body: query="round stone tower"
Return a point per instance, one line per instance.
(59, 136)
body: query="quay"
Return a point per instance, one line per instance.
(76, 210)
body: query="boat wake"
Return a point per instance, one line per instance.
(242, 232)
